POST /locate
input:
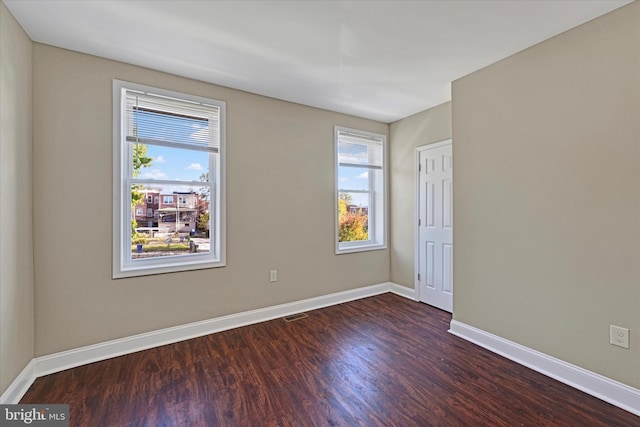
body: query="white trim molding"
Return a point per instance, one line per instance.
(20, 385)
(403, 291)
(57, 362)
(611, 391)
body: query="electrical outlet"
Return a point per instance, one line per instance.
(273, 276)
(619, 336)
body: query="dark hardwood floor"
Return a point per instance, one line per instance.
(379, 361)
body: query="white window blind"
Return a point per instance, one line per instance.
(359, 150)
(146, 121)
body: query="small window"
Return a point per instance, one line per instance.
(172, 145)
(360, 190)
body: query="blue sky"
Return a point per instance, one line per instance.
(351, 178)
(174, 164)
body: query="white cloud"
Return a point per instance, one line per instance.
(343, 179)
(363, 175)
(153, 174)
(195, 167)
(159, 159)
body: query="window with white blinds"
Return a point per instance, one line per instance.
(360, 190)
(168, 159)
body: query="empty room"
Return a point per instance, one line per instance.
(320, 213)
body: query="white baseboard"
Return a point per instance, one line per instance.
(20, 385)
(611, 391)
(403, 291)
(93, 353)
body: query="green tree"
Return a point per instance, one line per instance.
(204, 194)
(140, 160)
(203, 221)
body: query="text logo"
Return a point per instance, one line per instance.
(34, 415)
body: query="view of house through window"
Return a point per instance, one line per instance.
(170, 228)
(360, 187)
(170, 150)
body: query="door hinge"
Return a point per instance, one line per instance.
(419, 221)
(418, 277)
(419, 167)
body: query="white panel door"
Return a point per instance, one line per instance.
(435, 226)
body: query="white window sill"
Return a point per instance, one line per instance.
(347, 249)
(147, 270)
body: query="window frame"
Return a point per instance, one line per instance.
(123, 263)
(377, 209)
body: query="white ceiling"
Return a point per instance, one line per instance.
(382, 60)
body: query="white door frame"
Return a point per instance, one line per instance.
(416, 213)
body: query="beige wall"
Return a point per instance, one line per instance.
(16, 249)
(280, 187)
(406, 135)
(547, 195)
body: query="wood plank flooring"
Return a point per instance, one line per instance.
(379, 361)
